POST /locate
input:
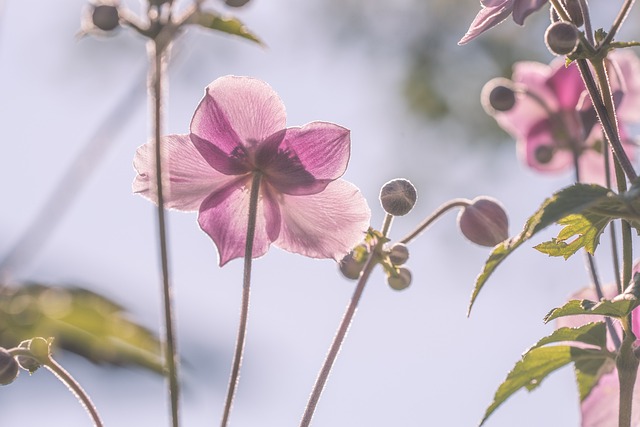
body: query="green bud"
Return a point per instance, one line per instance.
(398, 254)
(401, 281)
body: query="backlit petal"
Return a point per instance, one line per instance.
(188, 178)
(524, 8)
(224, 216)
(324, 225)
(489, 16)
(540, 137)
(567, 84)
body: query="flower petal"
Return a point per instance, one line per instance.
(324, 225)
(524, 8)
(624, 72)
(600, 407)
(540, 137)
(492, 13)
(566, 84)
(188, 179)
(235, 113)
(224, 216)
(308, 158)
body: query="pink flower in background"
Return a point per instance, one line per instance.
(553, 117)
(600, 407)
(238, 129)
(494, 12)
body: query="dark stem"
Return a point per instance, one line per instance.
(246, 286)
(170, 353)
(584, 8)
(607, 121)
(318, 387)
(627, 364)
(622, 15)
(434, 216)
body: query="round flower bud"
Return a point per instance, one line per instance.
(350, 267)
(498, 95)
(562, 38)
(8, 367)
(401, 281)
(484, 222)
(398, 254)
(398, 197)
(105, 17)
(236, 3)
(544, 154)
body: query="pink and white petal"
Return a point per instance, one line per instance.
(242, 106)
(567, 84)
(188, 178)
(600, 407)
(324, 225)
(624, 73)
(539, 137)
(524, 8)
(533, 77)
(224, 216)
(492, 13)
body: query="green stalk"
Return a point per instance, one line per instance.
(246, 285)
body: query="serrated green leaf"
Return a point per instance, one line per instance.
(225, 24)
(81, 321)
(529, 372)
(613, 308)
(589, 367)
(565, 202)
(594, 333)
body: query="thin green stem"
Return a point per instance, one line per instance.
(622, 15)
(627, 364)
(66, 378)
(347, 319)
(603, 105)
(156, 76)
(434, 216)
(246, 286)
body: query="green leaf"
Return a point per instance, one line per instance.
(81, 321)
(619, 307)
(568, 201)
(229, 25)
(589, 366)
(529, 372)
(594, 333)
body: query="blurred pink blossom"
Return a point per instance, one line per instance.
(494, 12)
(553, 117)
(238, 129)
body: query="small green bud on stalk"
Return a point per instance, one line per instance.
(401, 281)
(398, 254)
(398, 197)
(350, 267)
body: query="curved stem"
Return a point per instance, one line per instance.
(246, 285)
(622, 15)
(156, 76)
(347, 318)
(434, 216)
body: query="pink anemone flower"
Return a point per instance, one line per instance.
(238, 130)
(553, 119)
(600, 407)
(494, 12)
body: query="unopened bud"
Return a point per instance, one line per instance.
(498, 95)
(8, 367)
(401, 281)
(484, 222)
(398, 197)
(105, 17)
(351, 267)
(562, 38)
(544, 154)
(236, 3)
(398, 254)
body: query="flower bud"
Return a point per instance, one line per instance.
(351, 267)
(236, 3)
(398, 197)
(562, 38)
(8, 367)
(498, 95)
(398, 254)
(484, 222)
(105, 17)
(401, 281)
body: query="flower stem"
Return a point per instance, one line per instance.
(156, 77)
(434, 216)
(622, 15)
(347, 318)
(586, 16)
(66, 378)
(246, 286)
(627, 364)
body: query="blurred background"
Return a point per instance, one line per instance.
(392, 72)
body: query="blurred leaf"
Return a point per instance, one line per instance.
(229, 25)
(613, 308)
(539, 361)
(568, 201)
(81, 321)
